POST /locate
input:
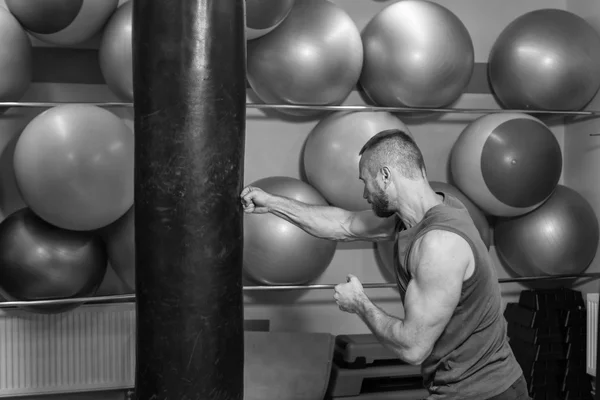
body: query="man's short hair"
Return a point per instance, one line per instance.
(395, 148)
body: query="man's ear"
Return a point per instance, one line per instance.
(386, 176)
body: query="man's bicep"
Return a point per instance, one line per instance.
(436, 285)
(430, 302)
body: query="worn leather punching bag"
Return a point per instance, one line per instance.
(189, 97)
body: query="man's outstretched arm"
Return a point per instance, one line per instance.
(325, 222)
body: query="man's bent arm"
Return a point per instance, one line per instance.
(333, 223)
(388, 330)
(432, 295)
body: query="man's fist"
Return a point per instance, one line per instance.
(254, 200)
(350, 296)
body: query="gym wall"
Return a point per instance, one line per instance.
(72, 75)
(581, 152)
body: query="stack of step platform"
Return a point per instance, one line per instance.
(547, 332)
(363, 369)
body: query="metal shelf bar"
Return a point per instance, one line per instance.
(131, 297)
(328, 108)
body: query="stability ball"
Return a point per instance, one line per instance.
(262, 16)
(559, 237)
(15, 58)
(62, 22)
(331, 156)
(313, 57)
(546, 60)
(276, 252)
(115, 52)
(119, 238)
(507, 164)
(416, 54)
(74, 166)
(39, 261)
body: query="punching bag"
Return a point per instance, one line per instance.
(189, 93)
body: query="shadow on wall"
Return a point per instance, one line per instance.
(10, 197)
(12, 123)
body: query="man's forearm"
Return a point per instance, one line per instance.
(390, 331)
(321, 221)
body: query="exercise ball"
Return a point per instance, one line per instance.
(313, 57)
(262, 16)
(416, 54)
(74, 166)
(508, 164)
(331, 156)
(115, 52)
(276, 252)
(119, 238)
(385, 249)
(546, 60)
(15, 58)
(62, 22)
(39, 261)
(559, 237)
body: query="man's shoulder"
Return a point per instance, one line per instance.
(440, 245)
(439, 239)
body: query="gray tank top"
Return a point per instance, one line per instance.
(472, 358)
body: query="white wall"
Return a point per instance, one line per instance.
(315, 311)
(582, 151)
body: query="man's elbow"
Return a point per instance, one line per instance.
(411, 356)
(333, 231)
(413, 359)
(337, 235)
(417, 355)
(344, 233)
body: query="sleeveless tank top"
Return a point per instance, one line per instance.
(472, 358)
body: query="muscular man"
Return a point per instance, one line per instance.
(453, 324)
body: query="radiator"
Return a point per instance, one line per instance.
(90, 348)
(592, 332)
